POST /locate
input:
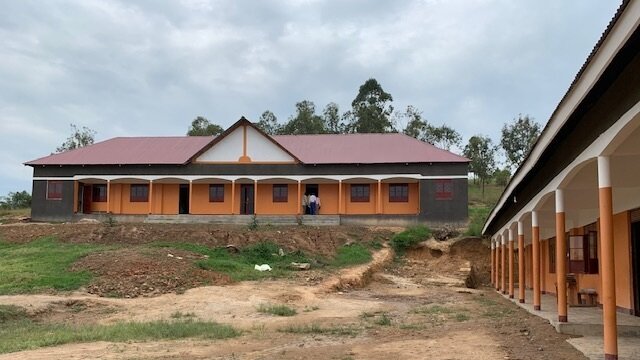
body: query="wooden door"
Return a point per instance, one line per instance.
(86, 199)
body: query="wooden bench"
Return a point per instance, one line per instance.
(587, 297)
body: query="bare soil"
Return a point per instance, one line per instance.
(415, 308)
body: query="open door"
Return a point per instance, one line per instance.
(246, 199)
(183, 199)
(86, 199)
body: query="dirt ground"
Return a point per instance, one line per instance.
(416, 308)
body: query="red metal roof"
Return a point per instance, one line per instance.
(131, 150)
(310, 149)
(364, 149)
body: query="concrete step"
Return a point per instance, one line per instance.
(311, 220)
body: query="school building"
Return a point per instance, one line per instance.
(360, 178)
(568, 223)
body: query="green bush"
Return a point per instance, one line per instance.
(410, 237)
(477, 218)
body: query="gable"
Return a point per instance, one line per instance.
(245, 144)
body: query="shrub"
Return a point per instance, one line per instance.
(477, 217)
(278, 310)
(410, 237)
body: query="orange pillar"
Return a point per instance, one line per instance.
(493, 262)
(503, 261)
(608, 277)
(511, 258)
(521, 270)
(299, 197)
(233, 196)
(497, 246)
(379, 198)
(561, 256)
(535, 244)
(150, 196)
(190, 196)
(108, 196)
(340, 210)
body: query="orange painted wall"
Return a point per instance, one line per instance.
(354, 208)
(328, 198)
(410, 207)
(548, 279)
(528, 264)
(265, 204)
(127, 207)
(201, 205)
(622, 250)
(98, 206)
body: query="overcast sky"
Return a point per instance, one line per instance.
(137, 68)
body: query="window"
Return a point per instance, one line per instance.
(54, 190)
(216, 193)
(592, 252)
(398, 193)
(280, 193)
(576, 254)
(444, 189)
(552, 255)
(139, 193)
(99, 193)
(360, 193)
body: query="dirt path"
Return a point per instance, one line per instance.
(396, 316)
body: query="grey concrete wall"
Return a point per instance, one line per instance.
(444, 211)
(51, 210)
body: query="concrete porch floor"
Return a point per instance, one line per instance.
(587, 322)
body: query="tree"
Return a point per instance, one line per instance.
(501, 176)
(371, 109)
(518, 139)
(415, 125)
(77, 139)
(443, 136)
(305, 121)
(269, 123)
(331, 118)
(200, 126)
(16, 200)
(481, 151)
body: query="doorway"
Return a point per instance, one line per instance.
(308, 190)
(86, 199)
(183, 199)
(246, 199)
(635, 265)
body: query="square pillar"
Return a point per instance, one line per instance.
(150, 197)
(379, 198)
(299, 198)
(340, 207)
(190, 196)
(233, 196)
(108, 196)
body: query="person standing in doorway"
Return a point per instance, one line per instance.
(305, 204)
(312, 203)
(318, 205)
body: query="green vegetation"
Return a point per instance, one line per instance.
(42, 265)
(25, 334)
(493, 309)
(240, 266)
(319, 330)
(11, 313)
(278, 310)
(181, 315)
(410, 237)
(461, 317)
(15, 212)
(492, 193)
(349, 255)
(477, 218)
(383, 320)
(432, 310)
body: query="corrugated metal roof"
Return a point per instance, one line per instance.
(130, 150)
(364, 149)
(310, 149)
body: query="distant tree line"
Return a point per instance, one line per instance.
(15, 200)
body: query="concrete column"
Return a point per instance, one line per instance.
(607, 264)
(255, 197)
(511, 269)
(233, 196)
(498, 246)
(379, 198)
(535, 244)
(340, 208)
(503, 256)
(190, 196)
(150, 196)
(493, 262)
(108, 196)
(299, 198)
(561, 257)
(521, 269)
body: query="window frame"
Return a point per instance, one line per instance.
(577, 264)
(280, 193)
(364, 189)
(57, 186)
(138, 197)
(404, 192)
(98, 198)
(444, 189)
(216, 193)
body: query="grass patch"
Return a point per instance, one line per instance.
(240, 266)
(181, 315)
(42, 265)
(383, 320)
(26, 212)
(461, 317)
(278, 310)
(25, 335)
(11, 313)
(354, 254)
(477, 217)
(492, 194)
(319, 330)
(410, 237)
(432, 310)
(493, 309)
